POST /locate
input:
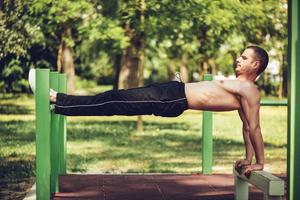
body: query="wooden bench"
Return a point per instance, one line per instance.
(270, 185)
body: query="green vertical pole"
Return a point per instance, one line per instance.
(207, 152)
(294, 99)
(241, 189)
(62, 146)
(54, 137)
(42, 135)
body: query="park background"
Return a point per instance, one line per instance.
(108, 44)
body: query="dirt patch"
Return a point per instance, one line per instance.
(17, 175)
(15, 189)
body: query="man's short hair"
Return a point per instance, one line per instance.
(262, 56)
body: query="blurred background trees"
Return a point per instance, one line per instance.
(128, 42)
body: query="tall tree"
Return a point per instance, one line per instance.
(59, 22)
(17, 36)
(132, 61)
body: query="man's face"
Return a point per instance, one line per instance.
(246, 63)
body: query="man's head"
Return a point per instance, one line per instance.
(253, 60)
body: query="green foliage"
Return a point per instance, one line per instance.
(13, 30)
(12, 77)
(32, 31)
(17, 36)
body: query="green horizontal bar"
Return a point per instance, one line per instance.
(273, 102)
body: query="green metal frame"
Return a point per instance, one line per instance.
(270, 185)
(207, 138)
(42, 135)
(51, 128)
(294, 101)
(62, 137)
(54, 138)
(274, 103)
(50, 135)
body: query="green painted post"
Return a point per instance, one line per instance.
(54, 138)
(240, 189)
(294, 99)
(62, 129)
(207, 152)
(42, 123)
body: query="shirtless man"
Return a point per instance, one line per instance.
(240, 94)
(173, 98)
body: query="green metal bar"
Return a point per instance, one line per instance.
(270, 185)
(294, 99)
(240, 189)
(62, 146)
(273, 102)
(207, 148)
(264, 181)
(42, 135)
(268, 197)
(54, 138)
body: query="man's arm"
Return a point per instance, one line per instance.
(250, 104)
(248, 145)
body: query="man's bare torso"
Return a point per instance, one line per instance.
(211, 95)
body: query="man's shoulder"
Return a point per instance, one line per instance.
(242, 84)
(250, 90)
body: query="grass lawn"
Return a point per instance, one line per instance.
(111, 144)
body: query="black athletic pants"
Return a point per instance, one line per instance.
(167, 100)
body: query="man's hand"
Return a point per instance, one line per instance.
(240, 164)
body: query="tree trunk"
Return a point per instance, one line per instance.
(280, 88)
(68, 68)
(128, 76)
(285, 76)
(203, 65)
(65, 61)
(203, 69)
(234, 57)
(184, 70)
(213, 66)
(133, 58)
(117, 63)
(59, 57)
(142, 8)
(171, 70)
